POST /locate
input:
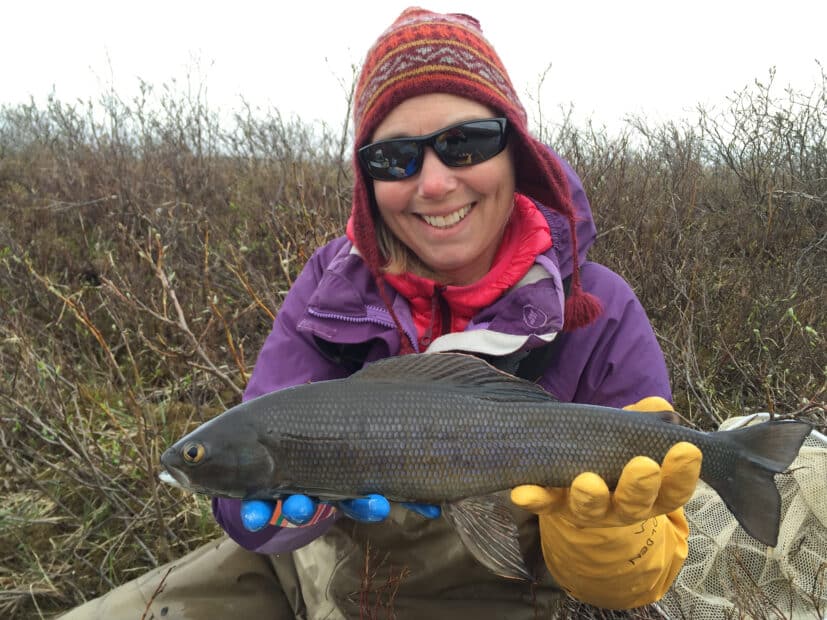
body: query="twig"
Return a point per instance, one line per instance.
(59, 205)
(238, 273)
(158, 590)
(80, 314)
(181, 321)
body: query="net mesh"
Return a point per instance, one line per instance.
(728, 574)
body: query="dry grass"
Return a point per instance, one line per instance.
(145, 250)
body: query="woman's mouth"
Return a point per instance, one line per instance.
(446, 221)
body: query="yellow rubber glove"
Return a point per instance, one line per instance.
(623, 549)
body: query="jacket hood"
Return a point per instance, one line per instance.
(584, 223)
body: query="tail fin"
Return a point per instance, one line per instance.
(750, 492)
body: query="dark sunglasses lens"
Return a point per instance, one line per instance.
(470, 143)
(397, 159)
(465, 144)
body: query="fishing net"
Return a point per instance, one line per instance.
(729, 574)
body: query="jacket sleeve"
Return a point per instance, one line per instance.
(289, 357)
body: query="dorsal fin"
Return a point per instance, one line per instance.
(458, 370)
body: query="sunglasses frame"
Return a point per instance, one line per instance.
(430, 140)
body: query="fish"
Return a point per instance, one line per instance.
(450, 429)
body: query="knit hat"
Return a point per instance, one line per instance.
(424, 52)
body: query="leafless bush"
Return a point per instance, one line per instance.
(144, 255)
(720, 227)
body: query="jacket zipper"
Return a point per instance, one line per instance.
(375, 320)
(440, 311)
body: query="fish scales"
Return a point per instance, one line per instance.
(436, 443)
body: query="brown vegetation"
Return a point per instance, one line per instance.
(145, 249)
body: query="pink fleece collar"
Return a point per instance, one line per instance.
(526, 235)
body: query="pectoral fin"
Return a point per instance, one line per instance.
(488, 531)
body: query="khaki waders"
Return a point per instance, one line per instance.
(406, 568)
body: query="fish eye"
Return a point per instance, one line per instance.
(193, 452)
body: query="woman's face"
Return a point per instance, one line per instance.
(451, 218)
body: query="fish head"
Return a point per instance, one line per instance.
(223, 458)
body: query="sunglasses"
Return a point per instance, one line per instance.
(463, 144)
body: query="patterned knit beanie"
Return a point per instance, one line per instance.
(424, 52)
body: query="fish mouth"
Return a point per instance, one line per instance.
(180, 480)
(168, 478)
(176, 478)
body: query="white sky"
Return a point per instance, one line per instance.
(609, 59)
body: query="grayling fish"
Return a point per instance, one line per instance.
(450, 429)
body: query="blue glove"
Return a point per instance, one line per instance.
(300, 509)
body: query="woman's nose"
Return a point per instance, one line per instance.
(435, 178)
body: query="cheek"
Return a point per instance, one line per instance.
(391, 198)
(494, 179)
(502, 178)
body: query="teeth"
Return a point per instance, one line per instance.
(443, 221)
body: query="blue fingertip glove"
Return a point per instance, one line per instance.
(369, 509)
(299, 509)
(256, 513)
(296, 510)
(429, 511)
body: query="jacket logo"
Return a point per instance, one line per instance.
(534, 317)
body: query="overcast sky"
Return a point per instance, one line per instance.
(609, 59)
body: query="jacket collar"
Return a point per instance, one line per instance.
(346, 308)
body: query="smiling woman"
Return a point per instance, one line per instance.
(463, 229)
(448, 214)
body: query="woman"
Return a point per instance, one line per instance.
(463, 231)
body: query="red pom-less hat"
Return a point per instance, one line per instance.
(424, 52)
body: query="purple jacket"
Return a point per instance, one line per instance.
(333, 315)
